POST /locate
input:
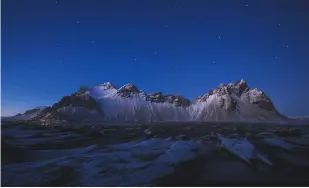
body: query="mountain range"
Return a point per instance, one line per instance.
(105, 102)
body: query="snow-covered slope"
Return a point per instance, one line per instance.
(106, 102)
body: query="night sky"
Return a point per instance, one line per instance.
(52, 47)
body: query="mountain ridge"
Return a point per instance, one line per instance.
(106, 102)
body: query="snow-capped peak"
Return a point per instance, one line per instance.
(241, 84)
(129, 87)
(225, 90)
(104, 90)
(128, 90)
(106, 85)
(227, 101)
(238, 87)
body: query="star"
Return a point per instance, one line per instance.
(166, 26)
(77, 22)
(56, 2)
(287, 46)
(155, 53)
(276, 57)
(213, 62)
(135, 59)
(92, 41)
(219, 37)
(57, 45)
(246, 5)
(279, 25)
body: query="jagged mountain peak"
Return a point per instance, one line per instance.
(106, 85)
(178, 100)
(223, 91)
(239, 87)
(241, 81)
(129, 90)
(259, 98)
(129, 87)
(175, 99)
(231, 101)
(155, 97)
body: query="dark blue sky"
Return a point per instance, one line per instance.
(50, 48)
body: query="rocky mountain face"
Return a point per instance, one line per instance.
(28, 115)
(241, 90)
(80, 105)
(128, 91)
(177, 100)
(106, 102)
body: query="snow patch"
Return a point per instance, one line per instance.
(242, 148)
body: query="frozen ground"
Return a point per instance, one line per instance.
(161, 155)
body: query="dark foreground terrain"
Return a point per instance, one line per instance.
(197, 154)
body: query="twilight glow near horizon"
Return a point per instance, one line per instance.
(52, 47)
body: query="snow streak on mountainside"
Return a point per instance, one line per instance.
(106, 102)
